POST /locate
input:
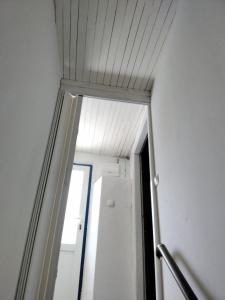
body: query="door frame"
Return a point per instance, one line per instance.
(145, 131)
(47, 275)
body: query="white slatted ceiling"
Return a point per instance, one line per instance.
(112, 42)
(108, 127)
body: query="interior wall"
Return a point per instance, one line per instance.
(29, 84)
(113, 267)
(102, 166)
(188, 110)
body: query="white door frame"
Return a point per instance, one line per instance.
(145, 131)
(66, 153)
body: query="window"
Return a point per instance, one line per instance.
(72, 216)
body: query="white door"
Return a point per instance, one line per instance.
(68, 274)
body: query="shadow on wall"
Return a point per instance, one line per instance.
(178, 257)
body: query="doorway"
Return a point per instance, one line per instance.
(147, 225)
(72, 251)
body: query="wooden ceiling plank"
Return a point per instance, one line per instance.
(94, 123)
(158, 26)
(90, 37)
(115, 37)
(131, 115)
(142, 29)
(73, 38)
(130, 42)
(99, 30)
(134, 112)
(113, 122)
(108, 125)
(83, 8)
(66, 38)
(105, 115)
(145, 42)
(159, 46)
(119, 130)
(118, 57)
(59, 27)
(130, 142)
(107, 37)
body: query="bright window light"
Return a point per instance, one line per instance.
(73, 206)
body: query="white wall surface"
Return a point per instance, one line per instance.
(113, 268)
(102, 166)
(66, 282)
(188, 110)
(29, 84)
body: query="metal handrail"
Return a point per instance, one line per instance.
(162, 252)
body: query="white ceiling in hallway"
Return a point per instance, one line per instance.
(108, 127)
(112, 42)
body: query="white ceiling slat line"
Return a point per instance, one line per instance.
(160, 44)
(96, 117)
(107, 113)
(112, 135)
(108, 127)
(119, 131)
(114, 40)
(83, 8)
(129, 144)
(163, 12)
(104, 120)
(59, 26)
(130, 42)
(105, 141)
(159, 39)
(107, 36)
(94, 113)
(73, 38)
(66, 37)
(138, 41)
(144, 45)
(90, 36)
(127, 127)
(113, 125)
(85, 134)
(99, 30)
(132, 129)
(122, 128)
(92, 125)
(118, 57)
(96, 123)
(103, 41)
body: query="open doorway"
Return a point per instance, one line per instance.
(96, 259)
(72, 250)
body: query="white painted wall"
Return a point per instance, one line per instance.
(188, 110)
(66, 281)
(113, 267)
(114, 168)
(29, 84)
